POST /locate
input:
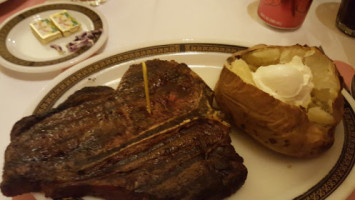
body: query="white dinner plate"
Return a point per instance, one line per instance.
(271, 176)
(21, 51)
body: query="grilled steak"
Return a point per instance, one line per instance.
(103, 142)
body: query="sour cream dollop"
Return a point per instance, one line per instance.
(289, 82)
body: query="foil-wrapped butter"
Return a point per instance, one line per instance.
(45, 31)
(65, 22)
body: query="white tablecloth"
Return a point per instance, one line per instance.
(139, 23)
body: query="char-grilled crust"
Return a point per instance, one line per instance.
(84, 95)
(104, 143)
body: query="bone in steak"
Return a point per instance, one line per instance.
(103, 142)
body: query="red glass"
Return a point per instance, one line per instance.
(284, 14)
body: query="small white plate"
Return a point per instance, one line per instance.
(21, 51)
(271, 176)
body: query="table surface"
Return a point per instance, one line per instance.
(135, 24)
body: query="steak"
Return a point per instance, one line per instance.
(103, 142)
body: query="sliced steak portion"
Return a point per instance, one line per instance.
(103, 142)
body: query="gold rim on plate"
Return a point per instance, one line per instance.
(5, 30)
(321, 190)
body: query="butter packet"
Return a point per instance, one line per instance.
(65, 23)
(45, 31)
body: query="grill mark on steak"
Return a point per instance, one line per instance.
(83, 95)
(103, 142)
(144, 136)
(185, 158)
(157, 143)
(190, 153)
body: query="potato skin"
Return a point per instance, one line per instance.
(279, 126)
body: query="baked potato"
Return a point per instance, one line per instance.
(288, 98)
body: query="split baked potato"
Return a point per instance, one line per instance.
(263, 101)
